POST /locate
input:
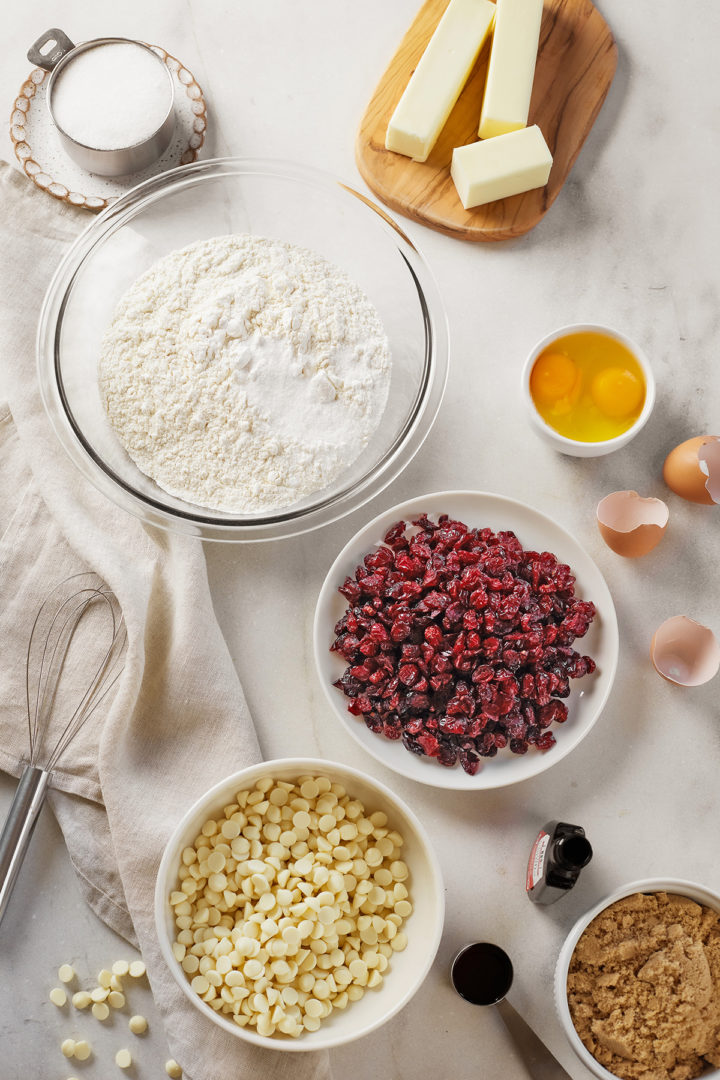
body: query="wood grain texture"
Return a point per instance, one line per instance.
(577, 58)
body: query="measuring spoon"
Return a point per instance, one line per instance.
(482, 974)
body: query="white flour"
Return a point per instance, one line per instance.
(243, 374)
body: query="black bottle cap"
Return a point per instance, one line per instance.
(573, 852)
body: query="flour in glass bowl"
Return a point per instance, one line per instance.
(243, 374)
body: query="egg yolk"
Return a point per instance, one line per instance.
(553, 378)
(588, 386)
(617, 392)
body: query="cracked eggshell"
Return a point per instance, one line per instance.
(631, 525)
(692, 470)
(685, 652)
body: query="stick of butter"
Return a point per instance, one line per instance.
(436, 83)
(512, 67)
(506, 165)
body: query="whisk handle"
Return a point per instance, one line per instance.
(18, 828)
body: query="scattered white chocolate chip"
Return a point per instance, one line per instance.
(137, 1024)
(173, 1069)
(83, 1050)
(116, 1000)
(105, 978)
(136, 969)
(58, 996)
(81, 999)
(67, 1047)
(66, 973)
(123, 1059)
(99, 993)
(100, 1010)
(120, 967)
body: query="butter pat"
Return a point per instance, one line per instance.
(495, 168)
(512, 67)
(438, 79)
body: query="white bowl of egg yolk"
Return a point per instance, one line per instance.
(589, 389)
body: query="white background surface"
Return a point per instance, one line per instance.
(631, 241)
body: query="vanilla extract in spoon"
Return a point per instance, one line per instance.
(482, 973)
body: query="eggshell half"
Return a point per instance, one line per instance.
(631, 525)
(685, 652)
(692, 470)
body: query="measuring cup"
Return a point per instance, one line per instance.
(54, 51)
(482, 974)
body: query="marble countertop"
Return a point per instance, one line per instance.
(631, 242)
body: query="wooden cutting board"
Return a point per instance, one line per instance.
(576, 62)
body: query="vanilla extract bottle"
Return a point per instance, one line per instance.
(558, 855)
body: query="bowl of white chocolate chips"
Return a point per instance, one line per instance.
(299, 903)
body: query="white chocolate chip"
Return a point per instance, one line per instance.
(137, 1024)
(137, 969)
(81, 999)
(58, 996)
(100, 1010)
(67, 1046)
(66, 973)
(123, 1059)
(83, 1050)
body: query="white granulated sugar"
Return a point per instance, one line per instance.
(112, 96)
(244, 374)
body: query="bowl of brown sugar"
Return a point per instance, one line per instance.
(637, 983)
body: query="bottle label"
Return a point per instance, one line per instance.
(536, 862)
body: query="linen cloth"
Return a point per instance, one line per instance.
(178, 722)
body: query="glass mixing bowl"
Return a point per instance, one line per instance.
(240, 195)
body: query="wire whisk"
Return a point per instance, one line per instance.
(57, 711)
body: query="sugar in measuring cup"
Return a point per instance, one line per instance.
(111, 100)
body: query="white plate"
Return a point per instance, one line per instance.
(535, 532)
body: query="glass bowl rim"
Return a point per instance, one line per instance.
(200, 522)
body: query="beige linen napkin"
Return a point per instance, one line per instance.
(179, 721)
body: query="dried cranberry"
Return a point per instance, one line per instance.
(469, 761)
(392, 731)
(429, 744)
(447, 754)
(518, 746)
(459, 642)
(408, 674)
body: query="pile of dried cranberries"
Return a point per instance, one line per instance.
(458, 641)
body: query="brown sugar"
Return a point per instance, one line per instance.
(644, 987)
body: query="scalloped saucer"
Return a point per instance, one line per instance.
(38, 149)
